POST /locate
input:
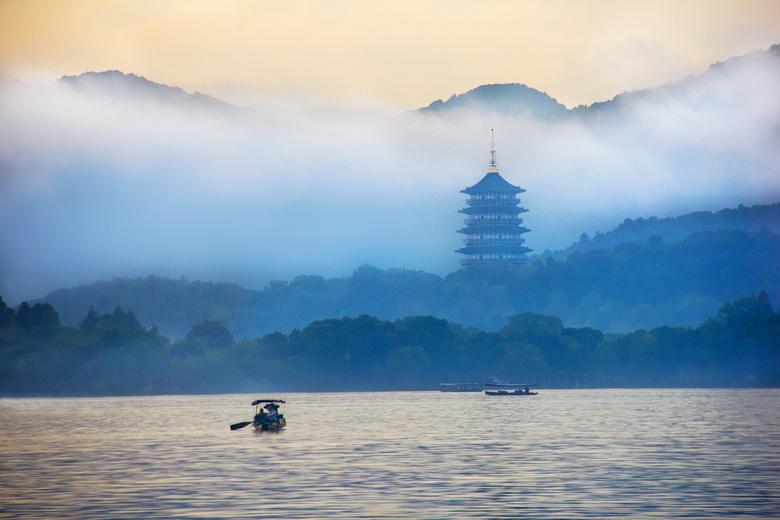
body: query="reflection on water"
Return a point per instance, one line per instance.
(409, 454)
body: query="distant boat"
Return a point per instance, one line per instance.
(512, 389)
(272, 421)
(460, 387)
(519, 391)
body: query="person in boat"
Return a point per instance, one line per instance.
(261, 417)
(273, 414)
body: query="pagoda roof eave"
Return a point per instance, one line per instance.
(508, 208)
(509, 228)
(492, 182)
(508, 249)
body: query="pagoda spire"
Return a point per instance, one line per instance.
(492, 167)
(494, 226)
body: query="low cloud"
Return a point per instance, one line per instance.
(97, 186)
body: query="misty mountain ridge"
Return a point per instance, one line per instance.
(508, 99)
(683, 86)
(107, 181)
(637, 279)
(114, 84)
(752, 219)
(513, 99)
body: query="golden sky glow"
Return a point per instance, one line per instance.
(406, 53)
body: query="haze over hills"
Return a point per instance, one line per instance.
(509, 99)
(645, 273)
(752, 219)
(118, 85)
(112, 353)
(512, 99)
(697, 85)
(112, 175)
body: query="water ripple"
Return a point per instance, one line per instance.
(566, 453)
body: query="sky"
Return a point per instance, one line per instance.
(327, 169)
(403, 53)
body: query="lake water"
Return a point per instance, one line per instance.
(563, 453)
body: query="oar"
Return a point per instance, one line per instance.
(240, 425)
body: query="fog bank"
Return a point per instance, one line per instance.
(96, 186)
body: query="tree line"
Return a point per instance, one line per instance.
(112, 353)
(630, 286)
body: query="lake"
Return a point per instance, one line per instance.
(563, 453)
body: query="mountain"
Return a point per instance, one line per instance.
(114, 84)
(629, 282)
(700, 85)
(173, 305)
(751, 219)
(512, 99)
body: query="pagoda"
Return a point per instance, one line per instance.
(494, 230)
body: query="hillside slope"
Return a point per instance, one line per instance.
(507, 98)
(114, 84)
(626, 283)
(513, 99)
(751, 219)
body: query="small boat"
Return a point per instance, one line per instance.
(518, 389)
(460, 387)
(267, 417)
(270, 421)
(513, 392)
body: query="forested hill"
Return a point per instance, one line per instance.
(171, 304)
(632, 285)
(753, 218)
(514, 99)
(113, 353)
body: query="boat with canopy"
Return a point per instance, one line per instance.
(267, 417)
(500, 389)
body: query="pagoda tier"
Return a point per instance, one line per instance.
(494, 211)
(505, 230)
(475, 241)
(493, 225)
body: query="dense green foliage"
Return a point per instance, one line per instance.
(632, 285)
(112, 353)
(173, 305)
(752, 219)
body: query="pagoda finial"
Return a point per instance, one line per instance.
(492, 168)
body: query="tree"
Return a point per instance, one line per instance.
(208, 334)
(7, 314)
(38, 316)
(122, 321)
(24, 316)
(745, 311)
(91, 321)
(533, 327)
(409, 364)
